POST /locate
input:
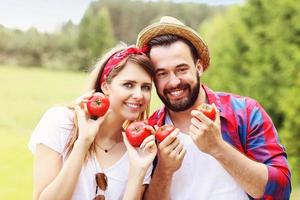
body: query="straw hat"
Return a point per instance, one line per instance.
(171, 25)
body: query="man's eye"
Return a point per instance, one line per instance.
(161, 74)
(181, 70)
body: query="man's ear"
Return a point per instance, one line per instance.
(199, 67)
(104, 88)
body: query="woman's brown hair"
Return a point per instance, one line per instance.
(93, 84)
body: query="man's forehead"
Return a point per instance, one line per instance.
(174, 54)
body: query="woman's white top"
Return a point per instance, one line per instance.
(53, 131)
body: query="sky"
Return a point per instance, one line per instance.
(48, 15)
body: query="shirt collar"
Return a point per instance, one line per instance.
(212, 97)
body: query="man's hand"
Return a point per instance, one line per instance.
(206, 133)
(252, 176)
(170, 154)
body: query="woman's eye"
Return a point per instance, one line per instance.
(146, 88)
(128, 85)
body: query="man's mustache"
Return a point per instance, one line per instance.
(179, 87)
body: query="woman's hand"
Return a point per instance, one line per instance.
(88, 128)
(142, 157)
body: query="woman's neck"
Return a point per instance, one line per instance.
(111, 128)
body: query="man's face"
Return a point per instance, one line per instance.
(177, 79)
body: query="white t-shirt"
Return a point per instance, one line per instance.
(202, 177)
(53, 131)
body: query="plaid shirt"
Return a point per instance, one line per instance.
(247, 127)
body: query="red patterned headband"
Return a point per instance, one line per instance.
(116, 58)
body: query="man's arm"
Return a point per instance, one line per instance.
(251, 175)
(160, 185)
(263, 146)
(170, 156)
(263, 171)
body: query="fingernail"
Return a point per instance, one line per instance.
(194, 112)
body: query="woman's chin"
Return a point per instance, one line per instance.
(132, 117)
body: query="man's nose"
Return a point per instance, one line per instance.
(173, 80)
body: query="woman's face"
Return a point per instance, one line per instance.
(130, 91)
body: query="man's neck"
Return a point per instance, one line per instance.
(182, 120)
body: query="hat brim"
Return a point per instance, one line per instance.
(158, 29)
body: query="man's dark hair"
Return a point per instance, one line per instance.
(167, 40)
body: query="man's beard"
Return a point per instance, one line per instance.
(185, 103)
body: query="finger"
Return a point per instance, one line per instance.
(126, 142)
(82, 105)
(200, 116)
(85, 96)
(79, 112)
(177, 149)
(217, 114)
(85, 101)
(146, 140)
(150, 128)
(195, 132)
(172, 146)
(181, 154)
(193, 135)
(88, 94)
(170, 138)
(99, 94)
(150, 147)
(197, 123)
(156, 127)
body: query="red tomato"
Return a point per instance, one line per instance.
(97, 105)
(208, 111)
(136, 132)
(163, 132)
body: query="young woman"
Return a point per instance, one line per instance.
(80, 158)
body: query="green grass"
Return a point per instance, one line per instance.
(26, 93)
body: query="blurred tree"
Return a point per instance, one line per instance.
(27, 47)
(62, 49)
(256, 52)
(95, 35)
(129, 17)
(77, 47)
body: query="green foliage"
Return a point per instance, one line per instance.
(256, 50)
(62, 51)
(95, 34)
(129, 17)
(104, 23)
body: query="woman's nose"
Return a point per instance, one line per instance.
(137, 93)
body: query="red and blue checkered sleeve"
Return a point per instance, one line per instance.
(263, 146)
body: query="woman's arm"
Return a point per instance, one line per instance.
(140, 160)
(135, 188)
(52, 179)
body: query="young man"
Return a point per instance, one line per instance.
(208, 159)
